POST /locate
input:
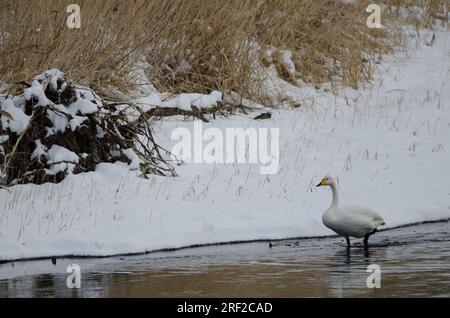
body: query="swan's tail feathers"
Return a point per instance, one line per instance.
(380, 221)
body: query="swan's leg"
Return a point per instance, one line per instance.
(348, 241)
(366, 240)
(366, 237)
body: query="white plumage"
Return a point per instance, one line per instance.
(349, 221)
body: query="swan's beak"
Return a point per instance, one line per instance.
(322, 183)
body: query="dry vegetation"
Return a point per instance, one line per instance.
(34, 38)
(421, 13)
(189, 45)
(182, 46)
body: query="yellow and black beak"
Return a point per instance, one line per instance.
(322, 183)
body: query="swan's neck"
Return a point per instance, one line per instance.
(335, 202)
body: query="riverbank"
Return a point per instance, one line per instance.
(388, 146)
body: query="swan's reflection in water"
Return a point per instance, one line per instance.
(348, 271)
(414, 261)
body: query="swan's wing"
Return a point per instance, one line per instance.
(358, 220)
(365, 211)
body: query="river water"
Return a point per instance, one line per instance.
(413, 261)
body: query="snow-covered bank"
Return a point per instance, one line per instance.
(388, 146)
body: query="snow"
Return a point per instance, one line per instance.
(182, 101)
(151, 101)
(88, 94)
(60, 158)
(53, 76)
(268, 54)
(134, 159)
(39, 151)
(19, 120)
(58, 154)
(36, 91)
(187, 101)
(61, 117)
(100, 132)
(387, 147)
(286, 59)
(83, 107)
(59, 167)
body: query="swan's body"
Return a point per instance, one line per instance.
(349, 221)
(354, 221)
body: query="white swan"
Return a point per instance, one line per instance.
(355, 221)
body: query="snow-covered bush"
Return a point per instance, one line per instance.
(54, 128)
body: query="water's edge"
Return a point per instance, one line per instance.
(172, 249)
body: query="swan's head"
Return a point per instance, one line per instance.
(326, 181)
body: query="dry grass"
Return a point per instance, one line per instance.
(222, 40)
(421, 13)
(34, 37)
(193, 45)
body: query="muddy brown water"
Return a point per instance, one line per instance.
(414, 261)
